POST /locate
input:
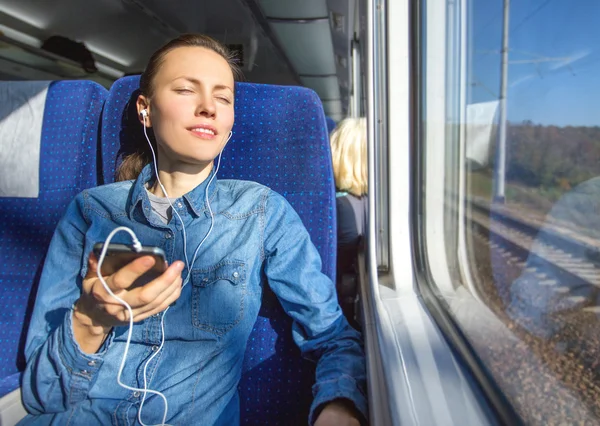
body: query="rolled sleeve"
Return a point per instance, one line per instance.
(344, 387)
(83, 366)
(58, 374)
(61, 374)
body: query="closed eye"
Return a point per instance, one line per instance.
(184, 90)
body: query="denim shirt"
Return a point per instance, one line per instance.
(257, 239)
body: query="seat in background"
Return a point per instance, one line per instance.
(55, 124)
(280, 139)
(330, 124)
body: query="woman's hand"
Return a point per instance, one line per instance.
(337, 413)
(96, 311)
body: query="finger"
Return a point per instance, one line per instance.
(152, 293)
(167, 298)
(127, 275)
(154, 302)
(103, 299)
(120, 314)
(159, 294)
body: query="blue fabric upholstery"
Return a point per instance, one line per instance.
(68, 164)
(279, 139)
(330, 124)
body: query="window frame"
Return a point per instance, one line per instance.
(414, 375)
(447, 297)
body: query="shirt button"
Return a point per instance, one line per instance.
(154, 348)
(92, 363)
(179, 204)
(136, 394)
(167, 235)
(236, 274)
(84, 372)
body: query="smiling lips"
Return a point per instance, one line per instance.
(203, 132)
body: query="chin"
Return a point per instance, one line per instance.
(199, 162)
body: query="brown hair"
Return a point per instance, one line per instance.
(133, 163)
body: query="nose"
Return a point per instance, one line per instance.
(206, 105)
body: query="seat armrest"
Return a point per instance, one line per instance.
(11, 408)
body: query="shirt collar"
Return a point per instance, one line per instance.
(196, 198)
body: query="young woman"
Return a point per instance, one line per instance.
(204, 305)
(349, 156)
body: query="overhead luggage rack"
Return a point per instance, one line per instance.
(22, 61)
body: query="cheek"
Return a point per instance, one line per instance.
(173, 110)
(168, 116)
(228, 117)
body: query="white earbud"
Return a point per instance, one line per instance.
(144, 113)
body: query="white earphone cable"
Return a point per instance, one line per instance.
(129, 332)
(137, 247)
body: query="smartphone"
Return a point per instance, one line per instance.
(119, 255)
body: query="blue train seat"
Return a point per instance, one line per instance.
(279, 139)
(55, 124)
(330, 124)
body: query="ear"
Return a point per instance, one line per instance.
(143, 104)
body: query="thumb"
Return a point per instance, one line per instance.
(92, 270)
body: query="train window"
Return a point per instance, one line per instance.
(510, 156)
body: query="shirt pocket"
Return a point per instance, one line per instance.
(218, 296)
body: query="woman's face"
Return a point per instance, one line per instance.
(191, 108)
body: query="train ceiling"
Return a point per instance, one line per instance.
(284, 41)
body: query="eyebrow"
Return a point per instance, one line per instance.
(198, 83)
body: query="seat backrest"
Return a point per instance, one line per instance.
(48, 153)
(330, 124)
(279, 139)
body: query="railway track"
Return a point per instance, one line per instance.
(559, 261)
(558, 273)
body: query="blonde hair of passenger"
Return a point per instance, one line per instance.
(349, 155)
